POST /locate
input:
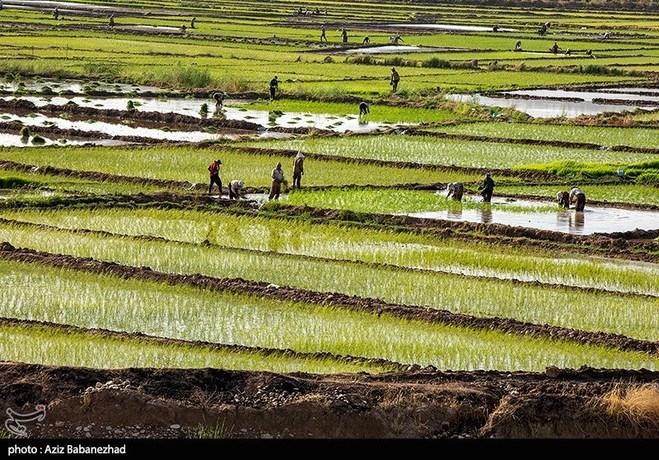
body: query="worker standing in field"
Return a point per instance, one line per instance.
(344, 36)
(298, 170)
(235, 188)
(323, 36)
(219, 98)
(192, 23)
(364, 109)
(455, 190)
(214, 170)
(277, 180)
(563, 199)
(111, 21)
(274, 86)
(56, 13)
(487, 188)
(578, 198)
(395, 79)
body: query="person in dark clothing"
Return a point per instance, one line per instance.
(455, 190)
(495, 28)
(364, 109)
(56, 13)
(277, 180)
(323, 36)
(555, 48)
(192, 23)
(518, 46)
(487, 188)
(274, 86)
(219, 98)
(395, 79)
(298, 170)
(214, 170)
(366, 41)
(578, 198)
(563, 199)
(344, 35)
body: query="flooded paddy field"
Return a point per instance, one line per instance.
(301, 225)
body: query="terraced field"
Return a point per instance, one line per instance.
(114, 254)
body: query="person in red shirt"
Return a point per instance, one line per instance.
(214, 169)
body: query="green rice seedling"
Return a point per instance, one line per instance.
(591, 311)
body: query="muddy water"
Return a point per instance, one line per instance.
(450, 27)
(543, 108)
(115, 129)
(587, 96)
(595, 219)
(386, 49)
(192, 107)
(15, 140)
(75, 86)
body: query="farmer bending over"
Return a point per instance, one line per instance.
(219, 97)
(579, 198)
(235, 187)
(455, 191)
(364, 109)
(563, 199)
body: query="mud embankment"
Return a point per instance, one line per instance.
(368, 305)
(422, 403)
(50, 131)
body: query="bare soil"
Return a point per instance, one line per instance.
(420, 403)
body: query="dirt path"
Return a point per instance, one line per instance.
(423, 403)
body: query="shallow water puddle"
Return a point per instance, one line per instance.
(587, 96)
(15, 140)
(545, 108)
(385, 49)
(595, 219)
(454, 27)
(192, 107)
(115, 129)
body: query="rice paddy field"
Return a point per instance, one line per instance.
(115, 254)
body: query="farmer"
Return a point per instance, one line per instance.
(274, 86)
(487, 188)
(323, 36)
(366, 41)
(590, 54)
(563, 199)
(214, 170)
(395, 79)
(554, 48)
(219, 98)
(298, 170)
(455, 191)
(192, 23)
(344, 35)
(111, 21)
(518, 46)
(543, 29)
(396, 39)
(56, 13)
(495, 28)
(364, 109)
(277, 180)
(568, 52)
(579, 198)
(235, 187)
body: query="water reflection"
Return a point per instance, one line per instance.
(486, 213)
